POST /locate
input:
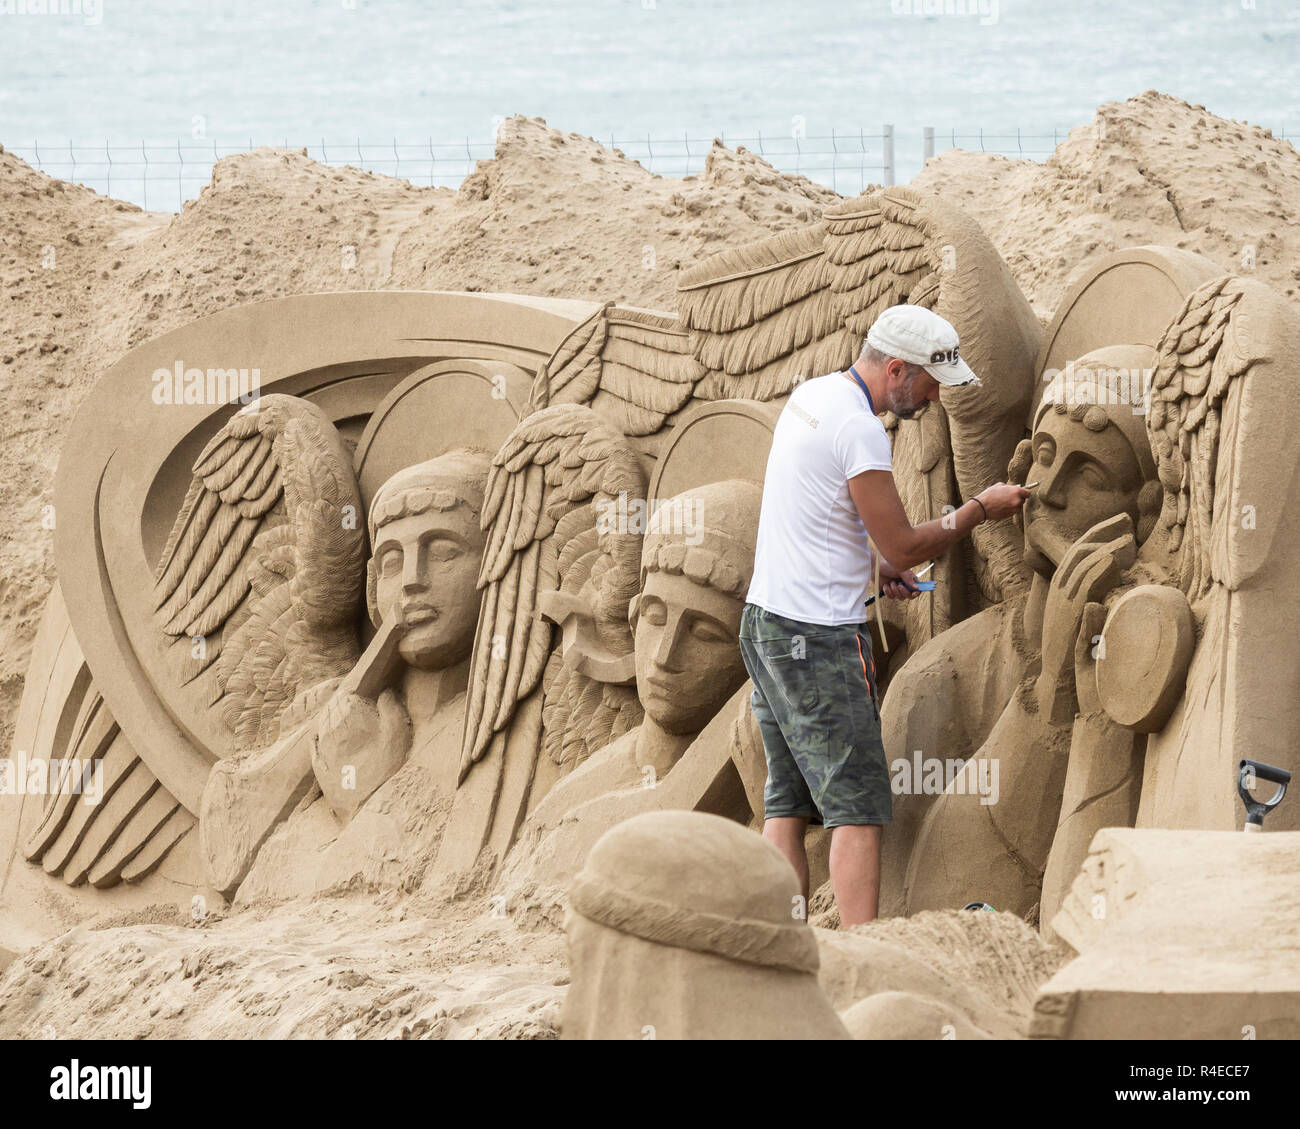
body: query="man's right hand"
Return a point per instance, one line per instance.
(1002, 499)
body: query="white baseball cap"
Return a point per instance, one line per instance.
(921, 337)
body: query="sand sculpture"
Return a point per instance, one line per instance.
(591, 392)
(1150, 968)
(449, 600)
(1150, 537)
(683, 926)
(696, 561)
(108, 684)
(399, 699)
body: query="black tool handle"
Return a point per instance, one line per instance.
(1269, 772)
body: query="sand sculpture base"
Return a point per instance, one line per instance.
(1181, 935)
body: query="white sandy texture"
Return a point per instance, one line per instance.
(383, 967)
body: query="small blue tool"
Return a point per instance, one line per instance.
(921, 586)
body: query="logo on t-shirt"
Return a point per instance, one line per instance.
(810, 420)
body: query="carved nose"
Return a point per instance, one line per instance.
(1047, 493)
(665, 653)
(412, 575)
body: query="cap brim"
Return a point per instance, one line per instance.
(952, 375)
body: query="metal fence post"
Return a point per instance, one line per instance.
(888, 154)
(927, 143)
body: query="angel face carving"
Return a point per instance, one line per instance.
(427, 548)
(688, 661)
(426, 569)
(686, 618)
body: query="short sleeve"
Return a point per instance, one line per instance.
(862, 444)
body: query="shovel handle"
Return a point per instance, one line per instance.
(1269, 772)
(1248, 772)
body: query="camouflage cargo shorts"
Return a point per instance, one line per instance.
(815, 703)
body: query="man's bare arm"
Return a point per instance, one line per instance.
(905, 545)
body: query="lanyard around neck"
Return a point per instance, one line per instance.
(865, 391)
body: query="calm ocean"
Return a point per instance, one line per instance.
(223, 74)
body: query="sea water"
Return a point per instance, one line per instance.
(342, 74)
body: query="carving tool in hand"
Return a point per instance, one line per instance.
(927, 586)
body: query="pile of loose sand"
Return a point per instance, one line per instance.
(978, 971)
(1149, 170)
(351, 966)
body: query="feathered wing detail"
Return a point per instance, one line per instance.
(1202, 353)
(633, 367)
(106, 818)
(879, 251)
(797, 305)
(571, 375)
(265, 564)
(762, 317)
(923, 473)
(551, 510)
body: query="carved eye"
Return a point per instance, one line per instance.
(653, 614)
(1093, 476)
(1045, 452)
(707, 632)
(444, 551)
(390, 564)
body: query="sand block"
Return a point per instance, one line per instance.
(1181, 935)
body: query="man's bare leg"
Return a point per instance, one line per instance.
(786, 834)
(855, 872)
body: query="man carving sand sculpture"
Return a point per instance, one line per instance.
(1095, 502)
(828, 493)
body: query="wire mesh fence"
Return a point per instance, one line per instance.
(162, 176)
(165, 175)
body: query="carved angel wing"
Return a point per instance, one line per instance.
(582, 713)
(1207, 348)
(560, 470)
(264, 566)
(633, 367)
(134, 822)
(763, 316)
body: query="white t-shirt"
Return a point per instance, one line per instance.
(812, 562)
